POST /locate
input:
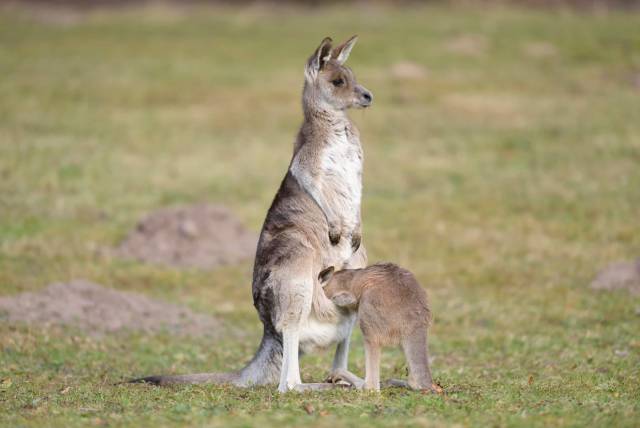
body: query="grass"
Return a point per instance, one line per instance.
(504, 178)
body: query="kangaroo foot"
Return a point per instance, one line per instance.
(302, 387)
(341, 375)
(398, 383)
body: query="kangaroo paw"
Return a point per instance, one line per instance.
(334, 234)
(356, 240)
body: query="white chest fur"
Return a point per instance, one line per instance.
(341, 166)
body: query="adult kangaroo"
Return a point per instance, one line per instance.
(313, 222)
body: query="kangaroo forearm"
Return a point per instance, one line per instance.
(323, 204)
(311, 188)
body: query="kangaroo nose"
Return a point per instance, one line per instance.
(363, 96)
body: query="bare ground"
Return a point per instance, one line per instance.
(97, 310)
(197, 236)
(619, 275)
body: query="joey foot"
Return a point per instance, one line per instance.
(398, 383)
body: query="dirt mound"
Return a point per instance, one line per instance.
(619, 275)
(467, 44)
(201, 236)
(540, 50)
(407, 70)
(96, 309)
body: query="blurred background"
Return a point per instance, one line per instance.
(502, 166)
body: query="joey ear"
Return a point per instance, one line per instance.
(344, 299)
(341, 53)
(325, 275)
(318, 59)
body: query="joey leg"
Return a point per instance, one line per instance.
(417, 354)
(372, 366)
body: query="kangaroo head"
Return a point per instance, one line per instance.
(329, 84)
(337, 286)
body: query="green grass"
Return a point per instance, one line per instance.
(504, 179)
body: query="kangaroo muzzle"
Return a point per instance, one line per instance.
(364, 97)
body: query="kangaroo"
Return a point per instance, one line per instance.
(392, 309)
(314, 221)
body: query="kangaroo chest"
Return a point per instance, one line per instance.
(341, 168)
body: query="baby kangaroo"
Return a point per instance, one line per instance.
(392, 309)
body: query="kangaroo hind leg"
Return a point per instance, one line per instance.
(372, 366)
(293, 286)
(417, 354)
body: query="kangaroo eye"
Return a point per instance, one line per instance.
(338, 82)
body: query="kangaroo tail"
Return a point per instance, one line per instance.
(218, 378)
(264, 368)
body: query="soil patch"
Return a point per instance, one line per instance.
(467, 44)
(198, 236)
(407, 70)
(96, 310)
(540, 50)
(501, 107)
(619, 276)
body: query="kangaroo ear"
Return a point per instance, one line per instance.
(341, 53)
(325, 275)
(344, 299)
(318, 59)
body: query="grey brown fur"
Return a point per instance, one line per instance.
(313, 222)
(392, 309)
